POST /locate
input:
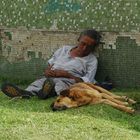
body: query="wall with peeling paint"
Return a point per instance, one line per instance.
(24, 54)
(120, 60)
(31, 30)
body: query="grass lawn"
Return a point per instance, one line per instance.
(34, 120)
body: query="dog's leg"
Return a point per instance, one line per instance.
(106, 96)
(124, 98)
(94, 93)
(129, 100)
(120, 107)
(100, 89)
(94, 88)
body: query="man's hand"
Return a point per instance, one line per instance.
(48, 72)
(60, 73)
(56, 73)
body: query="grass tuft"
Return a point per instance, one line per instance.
(34, 120)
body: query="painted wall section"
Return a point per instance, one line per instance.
(105, 15)
(24, 54)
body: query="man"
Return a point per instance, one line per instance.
(68, 65)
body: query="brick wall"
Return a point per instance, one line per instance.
(24, 54)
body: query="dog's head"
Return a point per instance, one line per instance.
(63, 101)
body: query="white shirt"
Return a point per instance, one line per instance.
(82, 67)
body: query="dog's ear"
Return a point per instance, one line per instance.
(65, 93)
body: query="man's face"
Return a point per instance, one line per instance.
(85, 45)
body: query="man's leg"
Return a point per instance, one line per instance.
(36, 86)
(47, 89)
(12, 90)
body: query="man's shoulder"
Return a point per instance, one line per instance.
(64, 49)
(92, 58)
(68, 46)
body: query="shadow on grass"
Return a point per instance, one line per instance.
(97, 111)
(28, 105)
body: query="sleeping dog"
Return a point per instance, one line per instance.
(81, 94)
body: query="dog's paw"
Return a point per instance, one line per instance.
(131, 111)
(126, 103)
(127, 99)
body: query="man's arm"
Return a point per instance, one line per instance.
(60, 73)
(91, 71)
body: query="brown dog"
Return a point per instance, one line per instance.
(86, 93)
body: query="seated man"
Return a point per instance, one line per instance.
(68, 65)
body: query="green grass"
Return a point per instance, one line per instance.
(34, 120)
